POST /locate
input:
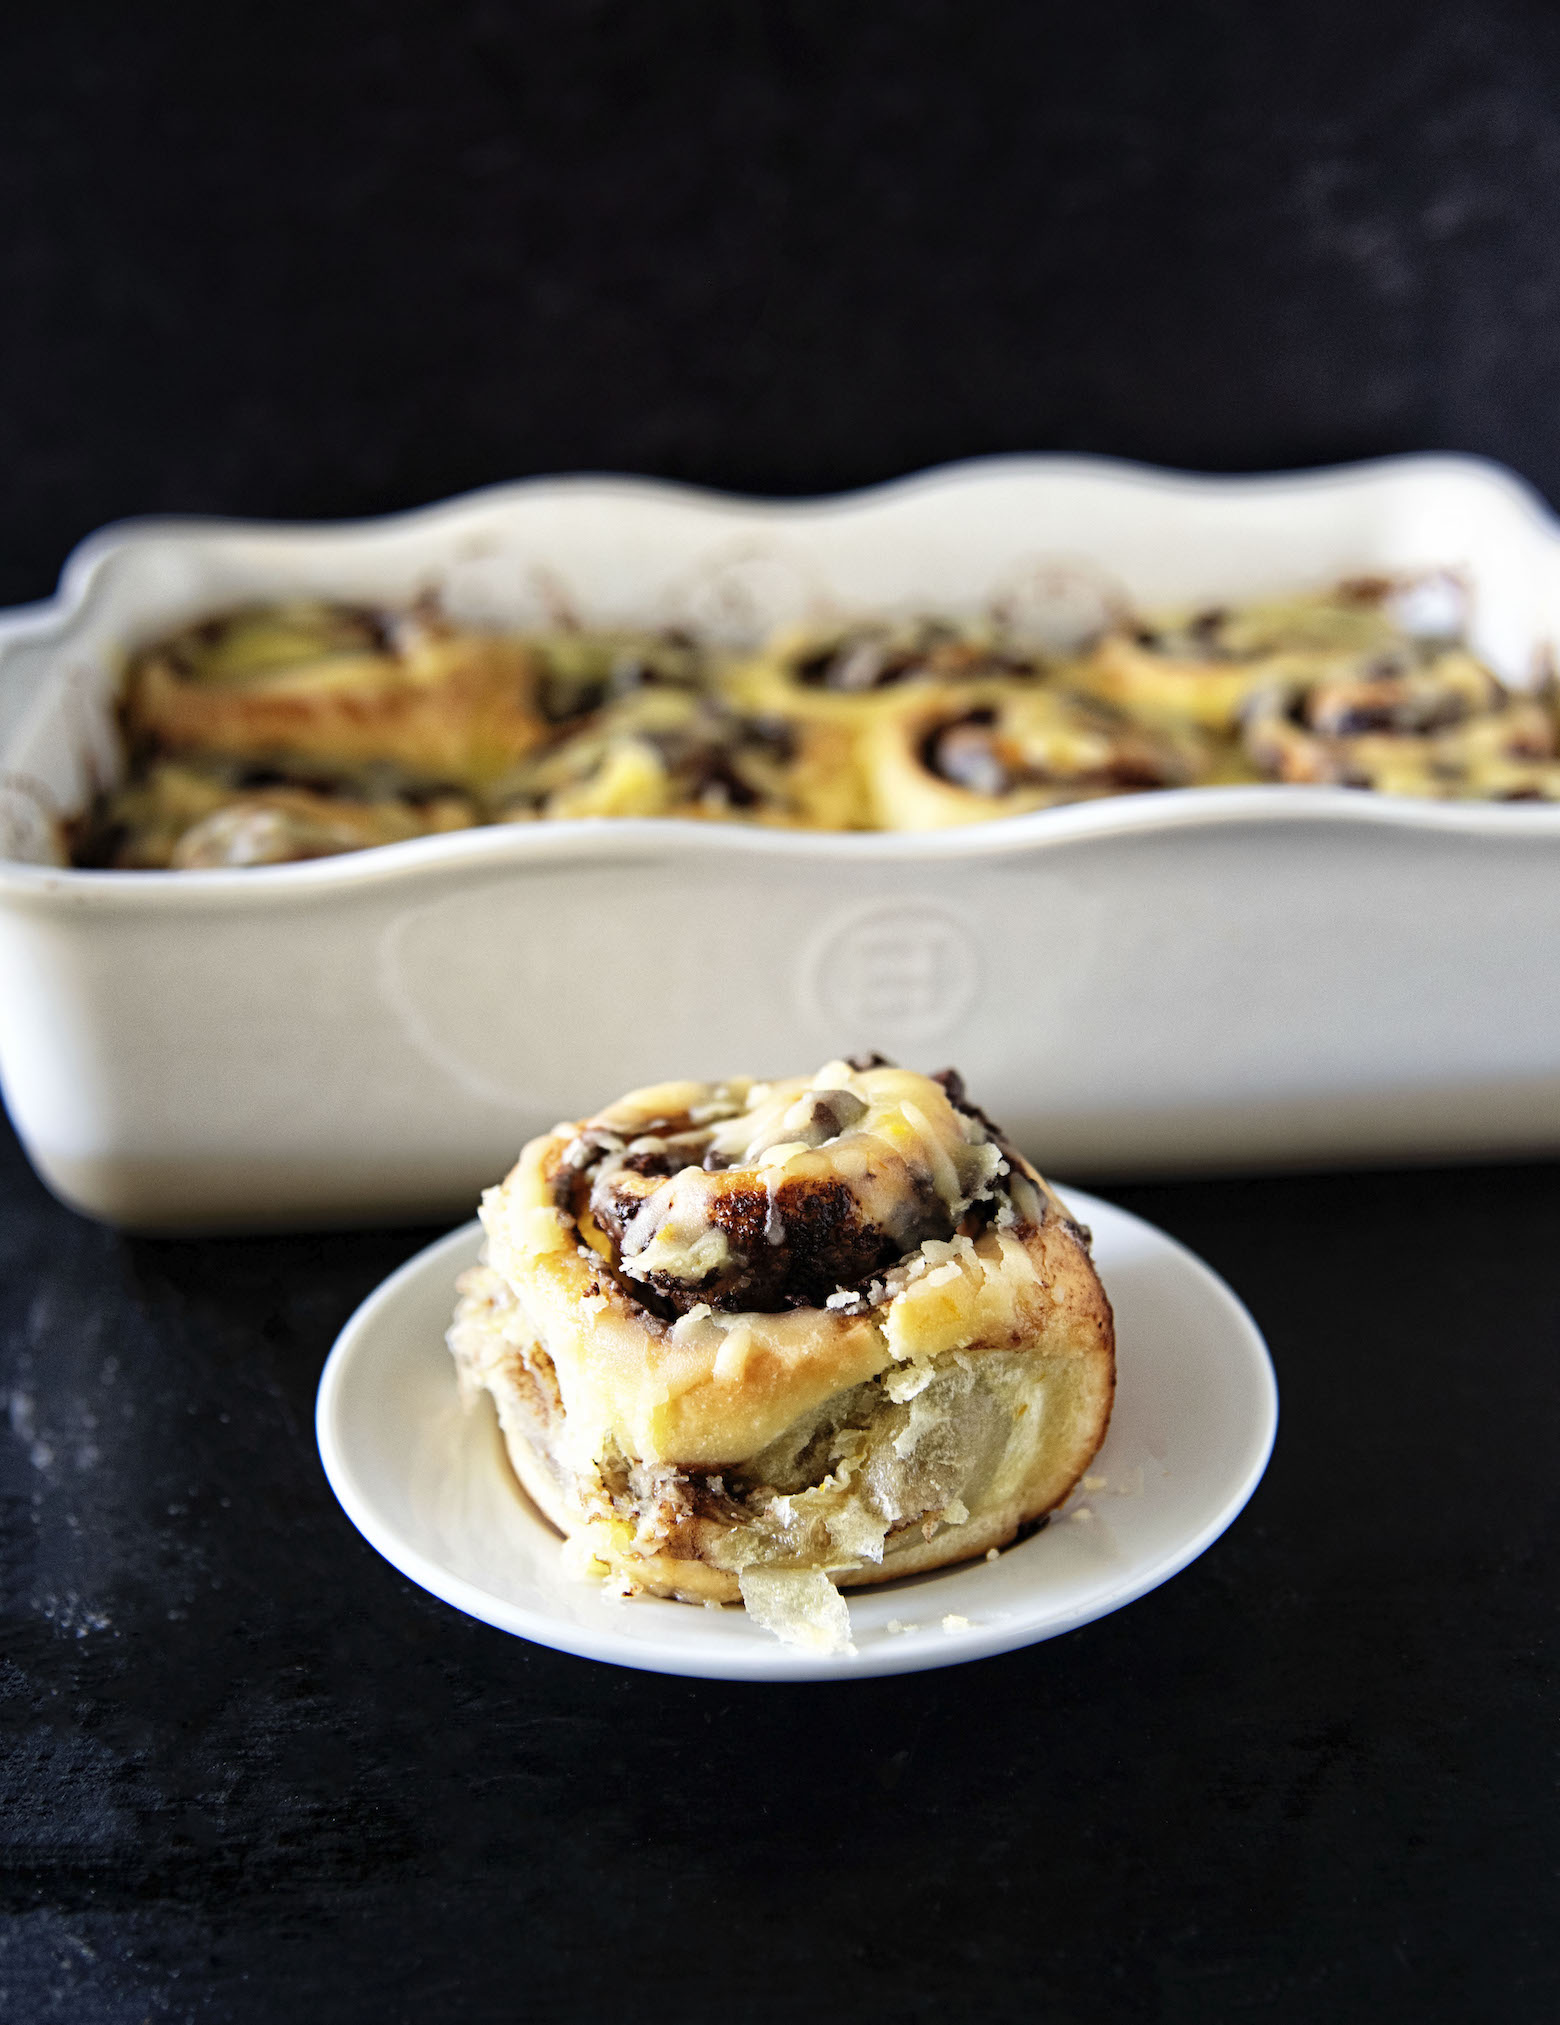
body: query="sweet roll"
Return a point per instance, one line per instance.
(760, 1341)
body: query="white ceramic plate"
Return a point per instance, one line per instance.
(429, 1485)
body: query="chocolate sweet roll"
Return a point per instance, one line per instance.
(759, 1341)
(1203, 666)
(848, 674)
(1420, 722)
(970, 753)
(671, 752)
(186, 819)
(327, 693)
(585, 669)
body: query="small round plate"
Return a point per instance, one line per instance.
(428, 1484)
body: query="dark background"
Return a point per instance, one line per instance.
(337, 260)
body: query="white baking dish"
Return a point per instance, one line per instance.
(1227, 976)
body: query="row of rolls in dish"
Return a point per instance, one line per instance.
(293, 731)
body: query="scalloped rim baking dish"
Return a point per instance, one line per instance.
(1223, 976)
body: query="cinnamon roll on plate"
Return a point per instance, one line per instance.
(761, 1341)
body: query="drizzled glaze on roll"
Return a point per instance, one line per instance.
(805, 1190)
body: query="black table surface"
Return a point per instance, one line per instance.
(251, 1772)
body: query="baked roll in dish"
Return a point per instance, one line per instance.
(327, 692)
(979, 750)
(185, 818)
(1432, 723)
(673, 752)
(294, 731)
(1201, 667)
(850, 674)
(762, 1341)
(584, 669)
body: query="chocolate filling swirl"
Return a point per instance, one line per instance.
(687, 1215)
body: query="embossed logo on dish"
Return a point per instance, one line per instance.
(903, 971)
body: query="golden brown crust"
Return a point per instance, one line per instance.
(1085, 1359)
(451, 710)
